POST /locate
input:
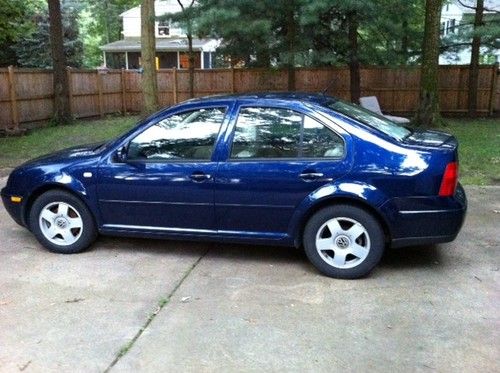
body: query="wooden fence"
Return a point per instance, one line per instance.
(26, 95)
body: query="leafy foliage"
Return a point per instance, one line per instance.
(489, 32)
(13, 26)
(100, 23)
(258, 32)
(33, 49)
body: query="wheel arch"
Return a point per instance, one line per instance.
(337, 200)
(50, 187)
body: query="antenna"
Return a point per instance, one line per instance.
(328, 87)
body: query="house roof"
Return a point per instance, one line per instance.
(162, 44)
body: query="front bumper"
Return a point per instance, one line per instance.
(425, 220)
(15, 210)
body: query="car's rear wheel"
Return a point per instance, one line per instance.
(62, 222)
(344, 241)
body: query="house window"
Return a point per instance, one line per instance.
(164, 28)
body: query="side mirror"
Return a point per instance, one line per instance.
(121, 154)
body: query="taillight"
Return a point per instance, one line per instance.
(449, 181)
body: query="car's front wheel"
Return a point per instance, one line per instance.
(344, 241)
(62, 222)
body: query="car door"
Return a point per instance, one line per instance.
(166, 181)
(276, 158)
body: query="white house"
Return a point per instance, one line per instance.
(171, 42)
(454, 18)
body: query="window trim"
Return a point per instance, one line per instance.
(192, 160)
(275, 159)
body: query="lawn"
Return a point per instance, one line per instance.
(479, 144)
(479, 150)
(15, 150)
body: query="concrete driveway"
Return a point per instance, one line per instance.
(146, 305)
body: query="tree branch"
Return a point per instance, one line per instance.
(474, 8)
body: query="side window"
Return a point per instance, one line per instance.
(281, 133)
(267, 133)
(319, 141)
(188, 135)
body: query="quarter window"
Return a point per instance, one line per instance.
(282, 133)
(188, 135)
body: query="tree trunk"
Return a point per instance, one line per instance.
(355, 79)
(405, 41)
(148, 54)
(474, 62)
(290, 41)
(428, 111)
(62, 114)
(191, 63)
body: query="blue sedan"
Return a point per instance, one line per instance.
(293, 169)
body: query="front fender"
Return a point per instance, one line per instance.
(336, 192)
(71, 180)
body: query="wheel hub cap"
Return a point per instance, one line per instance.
(342, 242)
(61, 222)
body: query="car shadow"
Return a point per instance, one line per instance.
(409, 257)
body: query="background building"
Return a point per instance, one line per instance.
(171, 42)
(457, 21)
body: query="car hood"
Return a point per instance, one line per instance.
(76, 152)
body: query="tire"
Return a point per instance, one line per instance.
(62, 223)
(344, 241)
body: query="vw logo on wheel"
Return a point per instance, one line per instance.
(342, 242)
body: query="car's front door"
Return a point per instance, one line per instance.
(277, 158)
(166, 181)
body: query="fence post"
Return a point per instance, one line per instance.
(124, 98)
(99, 91)
(174, 84)
(13, 98)
(70, 91)
(493, 88)
(233, 88)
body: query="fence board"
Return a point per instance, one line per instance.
(120, 91)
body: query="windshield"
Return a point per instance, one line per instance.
(369, 118)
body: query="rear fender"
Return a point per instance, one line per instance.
(358, 193)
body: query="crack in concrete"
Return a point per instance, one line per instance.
(161, 304)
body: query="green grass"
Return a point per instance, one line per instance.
(479, 143)
(15, 150)
(479, 150)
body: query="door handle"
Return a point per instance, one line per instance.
(199, 176)
(311, 175)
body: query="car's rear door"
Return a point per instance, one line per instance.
(167, 181)
(275, 158)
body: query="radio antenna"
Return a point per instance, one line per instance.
(328, 87)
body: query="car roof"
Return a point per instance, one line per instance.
(316, 98)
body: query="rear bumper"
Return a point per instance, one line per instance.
(425, 220)
(14, 209)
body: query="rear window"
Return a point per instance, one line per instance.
(369, 118)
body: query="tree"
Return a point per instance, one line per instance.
(100, 23)
(428, 110)
(354, 74)
(33, 49)
(148, 57)
(187, 21)
(479, 32)
(474, 61)
(15, 24)
(62, 114)
(245, 27)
